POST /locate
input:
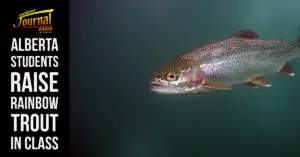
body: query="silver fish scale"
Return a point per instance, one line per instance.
(237, 60)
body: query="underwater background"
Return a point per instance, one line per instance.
(117, 45)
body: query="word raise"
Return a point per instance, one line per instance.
(36, 82)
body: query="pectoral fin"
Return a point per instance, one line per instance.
(196, 78)
(286, 70)
(260, 82)
(216, 86)
(205, 83)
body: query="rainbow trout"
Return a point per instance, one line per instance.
(242, 59)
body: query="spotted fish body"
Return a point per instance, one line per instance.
(241, 59)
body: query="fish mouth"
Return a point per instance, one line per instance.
(160, 88)
(157, 86)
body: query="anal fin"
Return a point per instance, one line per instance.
(260, 81)
(286, 70)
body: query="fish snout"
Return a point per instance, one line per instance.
(156, 78)
(156, 82)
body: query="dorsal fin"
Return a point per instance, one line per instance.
(247, 34)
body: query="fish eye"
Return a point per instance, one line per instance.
(171, 77)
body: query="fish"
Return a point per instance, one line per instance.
(241, 59)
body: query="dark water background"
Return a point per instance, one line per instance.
(116, 46)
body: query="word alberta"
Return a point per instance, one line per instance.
(34, 44)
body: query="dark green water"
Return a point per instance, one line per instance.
(117, 45)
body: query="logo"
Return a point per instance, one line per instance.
(41, 20)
